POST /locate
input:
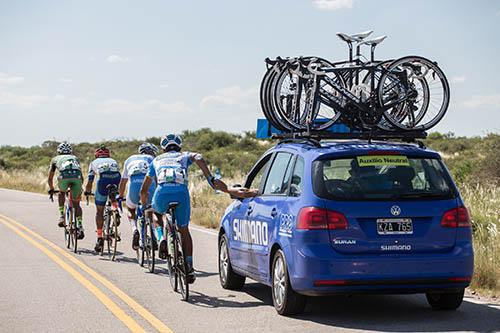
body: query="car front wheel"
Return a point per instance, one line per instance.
(228, 278)
(286, 301)
(445, 301)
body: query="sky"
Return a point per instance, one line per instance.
(93, 70)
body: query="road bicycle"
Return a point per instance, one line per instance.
(110, 231)
(176, 258)
(311, 93)
(146, 252)
(70, 227)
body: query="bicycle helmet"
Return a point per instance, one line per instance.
(171, 140)
(102, 152)
(148, 148)
(64, 148)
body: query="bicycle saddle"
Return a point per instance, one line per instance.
(354, 37)
(172, 205)
(374, 41)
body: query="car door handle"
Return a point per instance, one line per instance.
(274, 212)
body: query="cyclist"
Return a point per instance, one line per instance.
(108, 173)
(135, 169)
(69, 178)
(170, 171)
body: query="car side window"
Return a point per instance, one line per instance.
(255, 178)
(297, 178)
(277, 180)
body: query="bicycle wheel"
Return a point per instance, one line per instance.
(181, 268)
(423, 89)
(67, 227)
(150, 251)
(106, 232)
(74, 231)
(298, 105)
(116, 235)
(142, 243)
(266, 97)
(171, 260)
(138, 252)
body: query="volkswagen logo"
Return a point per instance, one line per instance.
(395, 210)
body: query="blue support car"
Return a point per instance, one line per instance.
(348, 217)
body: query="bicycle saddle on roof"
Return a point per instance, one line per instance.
(354, 37)
(374, 41)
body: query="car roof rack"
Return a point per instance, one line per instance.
(315, 137)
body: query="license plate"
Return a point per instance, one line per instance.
(394, 227)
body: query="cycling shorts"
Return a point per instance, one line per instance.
(167, 193)
(101, 193)
(134, 191)
(74, 185)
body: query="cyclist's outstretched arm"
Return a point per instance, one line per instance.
(145, 189)
(200, 162)
(121, 187)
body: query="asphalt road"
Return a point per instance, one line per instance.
(45, 288)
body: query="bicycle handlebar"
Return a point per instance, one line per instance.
(87, 195)
(51, 195)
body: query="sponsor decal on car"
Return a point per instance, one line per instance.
(286, 225)
(396, 247)
(382, 160)
(250, 231)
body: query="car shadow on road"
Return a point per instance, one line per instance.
(390, 313)
(200, 299)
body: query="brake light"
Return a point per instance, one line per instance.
(314, 218)
(383, 152)
(456, 218)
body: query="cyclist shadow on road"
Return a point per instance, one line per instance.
(398, 313)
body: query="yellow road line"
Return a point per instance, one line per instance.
(112, 306)
(148, 316)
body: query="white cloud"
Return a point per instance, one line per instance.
(482, 101)
(22, 101)
(457, 79)
(332, 4)
(64, 80)
(150, 105)
(116, 59)
(231, 96)
(6, 79)
(164, 85)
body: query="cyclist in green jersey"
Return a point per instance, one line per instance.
(69, 179)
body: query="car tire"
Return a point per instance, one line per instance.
(286, 301)
(445, 301)
(228, 278)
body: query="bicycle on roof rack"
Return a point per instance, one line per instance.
(308, 94)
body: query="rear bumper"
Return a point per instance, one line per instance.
(332, 273)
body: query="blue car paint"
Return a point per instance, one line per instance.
(436, 254)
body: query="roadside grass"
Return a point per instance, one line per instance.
(483, 202)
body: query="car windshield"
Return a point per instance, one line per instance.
(382, 177)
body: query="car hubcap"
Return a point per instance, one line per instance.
(223, 261)
(279, 281)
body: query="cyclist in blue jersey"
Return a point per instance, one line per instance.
(134, 171)
(170, 171)
(108, 173)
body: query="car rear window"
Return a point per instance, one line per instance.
(382, 177)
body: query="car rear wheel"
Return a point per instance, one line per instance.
(445, 301)
(286, 301)
(229, 279)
